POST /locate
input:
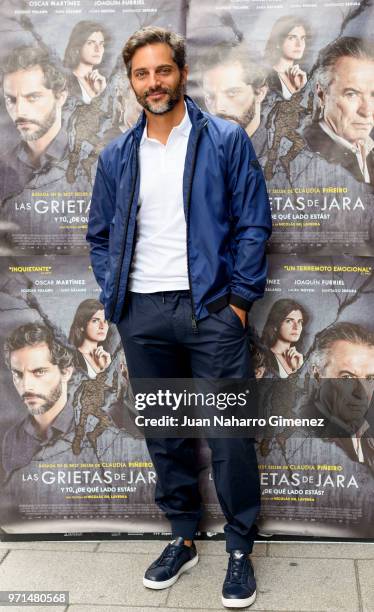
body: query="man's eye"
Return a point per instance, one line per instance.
(9, 101)
(347, 376)
(40, 372)
(165, 70)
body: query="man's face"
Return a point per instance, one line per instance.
(38, 381)
(33, 108)
(348, 103)
(93, 49)
(350, 400)
(227, 95)
(157, 81)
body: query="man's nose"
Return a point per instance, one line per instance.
(27, 383)
(366, 108)
(153, 80)
(21, 107)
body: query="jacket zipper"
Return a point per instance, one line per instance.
(123, 245)
(193, 317)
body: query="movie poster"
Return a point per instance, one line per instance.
(313, 353)
(71, 456)
(268, 67)
(65, 95)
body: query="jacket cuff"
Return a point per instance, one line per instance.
(240, 302)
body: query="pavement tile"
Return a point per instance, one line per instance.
(283, 584)
(322, 550)
(97, 578)
(155, 547)
(365, 575)
(48, 545)
(3, 553)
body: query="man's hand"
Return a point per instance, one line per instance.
(242, 314)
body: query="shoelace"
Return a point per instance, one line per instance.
(236, 569)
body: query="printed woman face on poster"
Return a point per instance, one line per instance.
(88, 333)
(283, 337)
(284, 50)
(83, 56)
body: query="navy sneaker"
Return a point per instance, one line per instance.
(175, 559)
(239, 588)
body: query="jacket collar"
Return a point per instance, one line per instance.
(319, 142)
(197, 118)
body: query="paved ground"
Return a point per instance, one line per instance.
(106, 576)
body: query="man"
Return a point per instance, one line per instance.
(342, 365)
(234, 88)
(34, 86)
(34, 93)
(180, 286)
(345, 91)
(41, 369)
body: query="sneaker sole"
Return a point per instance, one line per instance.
(164, 584)
(239, 603)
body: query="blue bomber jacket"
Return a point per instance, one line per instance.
(226, 208)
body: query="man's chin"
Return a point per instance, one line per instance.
(38, 410)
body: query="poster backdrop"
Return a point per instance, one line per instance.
(268, 67)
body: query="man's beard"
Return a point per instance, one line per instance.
(44, 126)
(49, 400)
(174, 97)
(244, 119)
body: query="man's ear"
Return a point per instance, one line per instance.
(261, 93)
(316, 373)
(320, 95)
(185, 72)
(67, 373)
(61, 98)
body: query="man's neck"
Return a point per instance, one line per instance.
(44, 421)
(253, 124)
(160, 126)
(37, 147)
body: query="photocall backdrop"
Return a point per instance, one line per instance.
(257, 63)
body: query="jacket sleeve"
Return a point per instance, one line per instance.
(101, 214)
(251, 216)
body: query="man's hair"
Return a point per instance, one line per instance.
(27, 57)
(346, 46)
(79, 35)
(151, 35)
(254, 73)
(32, 334)
(349, 332)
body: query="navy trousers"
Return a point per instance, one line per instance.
(159, 342)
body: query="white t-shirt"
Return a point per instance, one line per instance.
(160, 258)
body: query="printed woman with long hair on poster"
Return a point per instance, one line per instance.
(282, 337)
(88, 333)
(284, 50)
(83, 56)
